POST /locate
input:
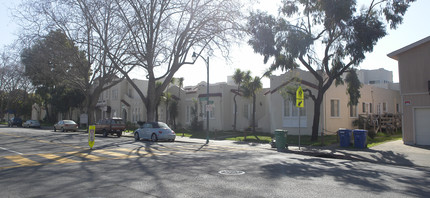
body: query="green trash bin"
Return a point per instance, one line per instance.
(281, 139)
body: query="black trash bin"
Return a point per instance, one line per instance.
(281, 139)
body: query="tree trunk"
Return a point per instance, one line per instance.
(151, 112)
(235, 113)
(317, 115)
(253, 116)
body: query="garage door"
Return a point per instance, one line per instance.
(422, 126)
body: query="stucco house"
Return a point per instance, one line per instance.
(414, 76)
(123, 101)
(221, 114)
(273, 110)
(335, 112)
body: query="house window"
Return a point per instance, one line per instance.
(211, 112)
(291, 116)
(287, 107)
(246, 111)
(130, 93)
(378, 108)
(188, 113)
(115, 94)
(353, 111)
(334, 108)
(384, 107)
(397, 108)
(370, 107)
(290, 109)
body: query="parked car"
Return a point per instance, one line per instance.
(66, 125)
(14, 122)
(31, 124)
(155, 131)
(113, 125)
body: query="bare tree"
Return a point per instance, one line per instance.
(11, 78)
(96, 39)
(160, 34)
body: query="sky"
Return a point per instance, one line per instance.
(414, 28)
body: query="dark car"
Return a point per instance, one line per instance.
(15, 122)
(110, 126)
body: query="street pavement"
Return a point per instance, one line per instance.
(43, 163)
(394, 152)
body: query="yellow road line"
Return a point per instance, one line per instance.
(41, 141)
(22, 160)
(87, 156)
(115, 154)
(58, 158)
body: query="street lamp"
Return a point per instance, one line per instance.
(195, 56)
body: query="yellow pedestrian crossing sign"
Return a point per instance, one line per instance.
(91, 136)
(300, 98)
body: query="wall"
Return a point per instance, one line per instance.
(414, 74)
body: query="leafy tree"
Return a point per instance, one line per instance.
(12, 82)
(238, 77)
(332, 36)
(54, 65)
(64, 98)
(19, 102)
(250, 88)
(95, 38)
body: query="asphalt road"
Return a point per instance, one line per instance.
(43, 163)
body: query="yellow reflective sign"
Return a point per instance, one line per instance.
(91, 135)
(300, 98)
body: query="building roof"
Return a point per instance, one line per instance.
(395, 55)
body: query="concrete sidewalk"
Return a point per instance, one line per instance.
(394, 152)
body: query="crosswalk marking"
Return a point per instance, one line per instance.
(107, 154)
(19, 159)
(59, 159)
(87, 156)
(115, 154)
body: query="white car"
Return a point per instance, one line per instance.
(154, 131)
(31, 124)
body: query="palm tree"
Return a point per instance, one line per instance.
(237, 78)
(251, 87)
(173, 110)
(180, 84)
(167, 98)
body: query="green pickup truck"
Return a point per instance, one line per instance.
(110, 126)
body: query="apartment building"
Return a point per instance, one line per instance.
(414, 76)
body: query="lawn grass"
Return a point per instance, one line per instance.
(292, 140)
(382, 138)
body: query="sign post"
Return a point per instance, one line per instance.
(300, 98)
(91, 136)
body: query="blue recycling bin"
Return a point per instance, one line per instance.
(360, 137)
(344, 137)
